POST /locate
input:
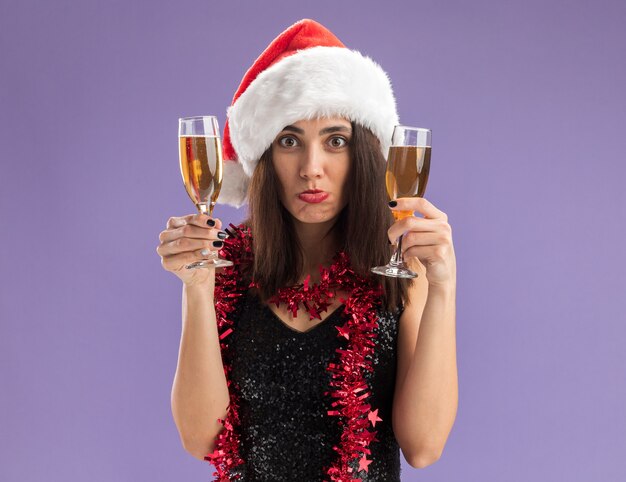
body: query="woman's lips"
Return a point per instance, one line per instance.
(310, 197)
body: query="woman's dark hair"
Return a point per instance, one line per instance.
(361, 227)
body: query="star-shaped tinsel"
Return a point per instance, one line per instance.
(344, 331)
(373, 417)
(363, 463)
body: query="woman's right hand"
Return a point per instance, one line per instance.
(187, 239)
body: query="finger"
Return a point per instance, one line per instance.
(192, 231)
(181, 245)
(418, 252)
(200, 220)
(411, 223)
(425, 253)
(178, 221)
(204, 221)
(421, 205)
(175, 222)
(177, 261)
(417, 239)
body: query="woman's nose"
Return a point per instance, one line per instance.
(312, 162)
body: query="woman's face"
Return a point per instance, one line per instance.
(313, 155)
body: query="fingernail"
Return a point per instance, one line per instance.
(204, 252)
(210, 222)
(222, 235)
(218, 244)
(392, 204)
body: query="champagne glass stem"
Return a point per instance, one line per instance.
(396, 266)
(205, 208)
(396, 259)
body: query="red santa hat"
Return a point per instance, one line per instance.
(305, 73)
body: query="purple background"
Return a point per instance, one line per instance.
(526, 102)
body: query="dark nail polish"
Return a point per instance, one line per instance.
(222, 235)
(210, 222)
(393, 204)
(218, 244)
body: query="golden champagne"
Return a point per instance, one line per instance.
(201, 168)
(407, 174)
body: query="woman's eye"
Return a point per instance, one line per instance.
(337, 142)
(287, 141)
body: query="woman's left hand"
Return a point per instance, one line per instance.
(428, 239)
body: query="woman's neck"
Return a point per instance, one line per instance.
(319, 245)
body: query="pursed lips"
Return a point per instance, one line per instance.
(313, 196)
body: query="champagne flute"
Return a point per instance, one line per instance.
(201, 167)
(408, 165)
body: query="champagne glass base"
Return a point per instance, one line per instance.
(210, 263)
(397, 271)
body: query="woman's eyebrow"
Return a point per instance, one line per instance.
(328, 130)
(295, 129)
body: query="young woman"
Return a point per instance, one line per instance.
(298, 363)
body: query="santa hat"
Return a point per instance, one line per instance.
(305, 73)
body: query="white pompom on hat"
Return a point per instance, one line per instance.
(305, 73)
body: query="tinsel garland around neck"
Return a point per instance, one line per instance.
(348, 387)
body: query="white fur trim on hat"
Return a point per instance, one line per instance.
(312, 83)
(234, 184)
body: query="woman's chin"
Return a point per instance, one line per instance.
(315, 216)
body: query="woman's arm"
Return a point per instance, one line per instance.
(199, 393)
(426, 396)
